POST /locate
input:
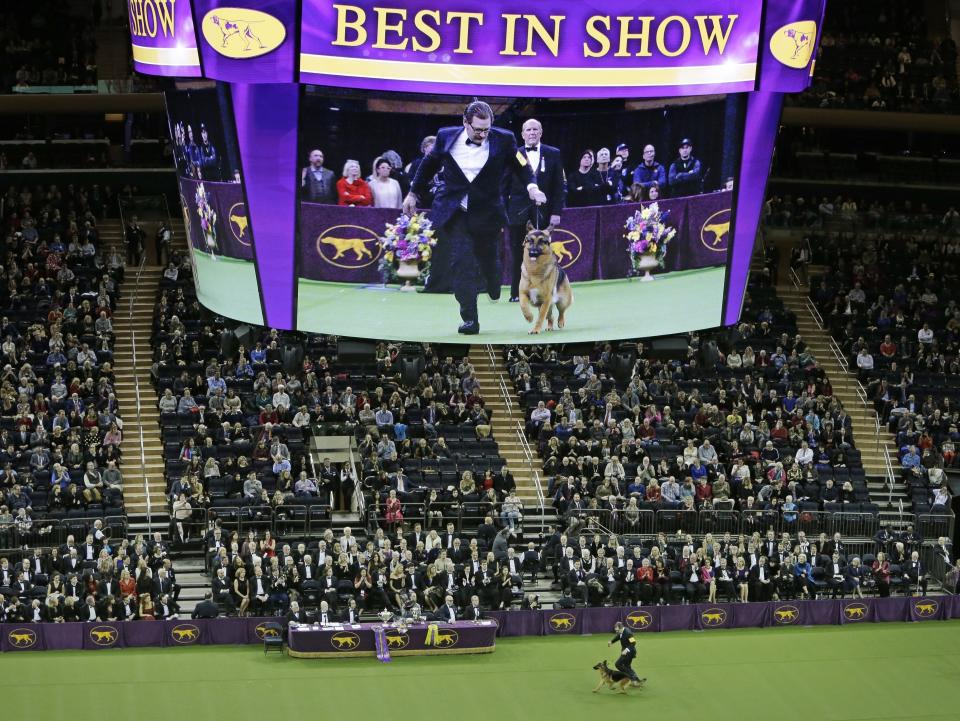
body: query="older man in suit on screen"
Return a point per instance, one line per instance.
(468, 211)
(547, 167)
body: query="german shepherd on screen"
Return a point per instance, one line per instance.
(543, 283)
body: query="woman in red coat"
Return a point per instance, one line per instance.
(881, 573)
(351, 188)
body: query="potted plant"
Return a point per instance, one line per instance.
(407, 248)
(647, 236)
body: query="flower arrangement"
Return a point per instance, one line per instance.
(208, 220)
(407, 248)
(648, 236)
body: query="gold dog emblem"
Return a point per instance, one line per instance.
(786, 615)
(242, 33)
(239, 222)
(397, 640)
(349, 246)
(566, 246)
(562, 622)
(715, 233)
(344, 641)
(446, 638)
(855, 611)
(713, 617)
(793, 43)
(185, 634)
(264, 632)
(639, 619)
(103, 635)
(22, 638)
(926, 608)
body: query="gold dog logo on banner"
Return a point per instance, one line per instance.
(793, 43)
(713, 617)
(855, 611)
(263, 632)
(785, 615)
(566, 246)
(444, 638)
(562, 622)
(396, 640)
(925, 608)
(185, 634)
(241, 33)
(239, 223)
(103, 635)
(22, 638)
(715, 233)
(639, 620)
(344, 641)
(349, 246)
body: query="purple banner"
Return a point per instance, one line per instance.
(792, 29)
(162, 38)
(340, 243)
(66, 636)
(232, 236)
(507, 47)
(266, 122)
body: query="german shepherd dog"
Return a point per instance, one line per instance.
(612, 678)
(543, 283)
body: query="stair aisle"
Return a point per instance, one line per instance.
(869, 439)
(143, 465)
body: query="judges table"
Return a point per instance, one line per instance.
(347, 640)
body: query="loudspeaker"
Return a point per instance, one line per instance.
(355, 350)
(621, 364)
(246, 336)
(292, 358)
(228, 344)
(671, 348)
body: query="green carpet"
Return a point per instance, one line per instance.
(854, 673)
(228, 286)
(608, 309)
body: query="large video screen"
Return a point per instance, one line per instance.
(630, 236)
(210, 179)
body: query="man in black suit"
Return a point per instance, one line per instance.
(547, 167)
(447, 612)
(221, 591)
(473, 612)
(206, 608)
(317, 184)
(468, 212)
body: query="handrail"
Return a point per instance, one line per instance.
(357, 487)
(795, 279)
(812, 310)
(136, 378)
(504, 390)
(891, 478)
(534, 473)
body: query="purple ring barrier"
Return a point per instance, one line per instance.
(137, 634)
(592, 241)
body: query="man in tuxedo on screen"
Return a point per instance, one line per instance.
(468, 211)
(547, 167)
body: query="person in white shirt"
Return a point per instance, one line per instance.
(386, 190)
(805, 454)
(925, 334)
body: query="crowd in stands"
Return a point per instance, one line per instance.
(853, 213)
(879, 56)
(601, 178)
(99, 577)
(46, 43)
(60, 428)
(887, 299)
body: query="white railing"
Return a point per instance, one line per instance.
(357, 488)
(814, 313)
(136, 395)
(534, 473)
(891, 478)
(795, 279)
(504, 388)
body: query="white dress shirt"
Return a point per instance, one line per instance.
(471, 158)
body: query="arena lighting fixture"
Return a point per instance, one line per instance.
(264, 254)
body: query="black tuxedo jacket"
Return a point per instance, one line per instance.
(472, 613)
(486, 212)
(443, 613)
(549, 177)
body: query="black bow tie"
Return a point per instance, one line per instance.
(474, 142)
(533, 148)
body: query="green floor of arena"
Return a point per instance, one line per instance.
(886, 672)
(607, 309)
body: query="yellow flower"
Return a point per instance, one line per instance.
(389, 257)
(653, 247)
(425, 254)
